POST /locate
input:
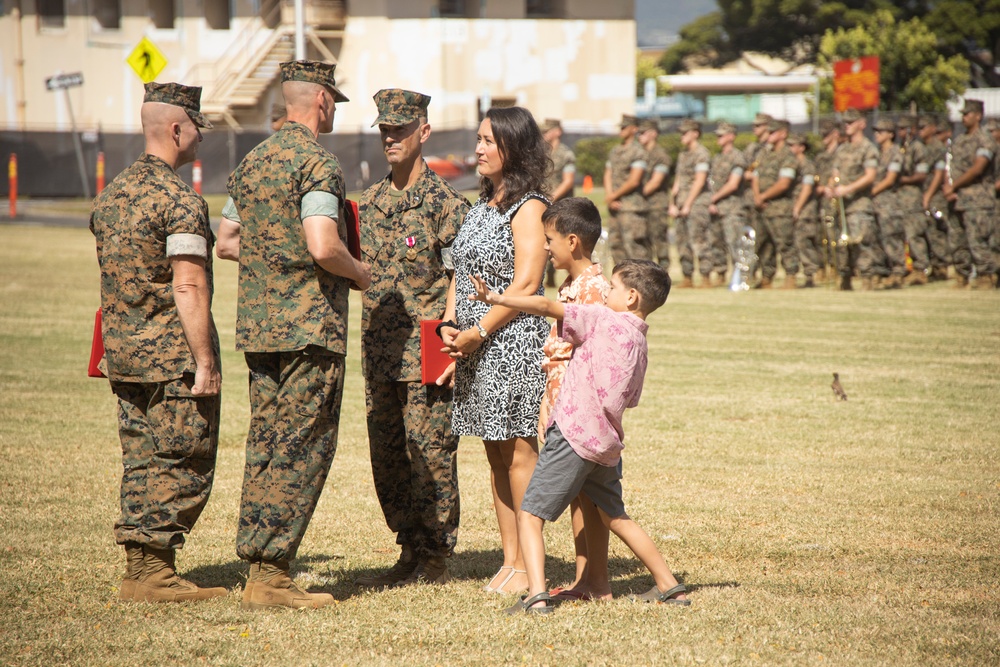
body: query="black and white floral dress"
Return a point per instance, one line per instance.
(499, 387)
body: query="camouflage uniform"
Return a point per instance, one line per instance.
(777, 232)
(732, 216)
(808, 229)
(976, 203)
(169, 437)
(863, 251)
(292, 326)
(829, 215)
(563, 161)
(658, 161)
(888, 214)
(695, 235)
(753, 154)
(915, 221)
(413, 451)
(628, 233)
(941, 211)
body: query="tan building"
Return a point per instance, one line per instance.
(571, 59)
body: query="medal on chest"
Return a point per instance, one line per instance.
(411, 253)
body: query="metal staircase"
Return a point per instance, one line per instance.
(239, 80)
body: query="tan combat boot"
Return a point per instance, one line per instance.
(765, 283)
(916, 278)
(961, 282)
(687, 282)
(867, 284)
(789, 283)
(159, 581)
(403, 568)
(431, 570)
(133, 571)
(269, 586)
(983, 282)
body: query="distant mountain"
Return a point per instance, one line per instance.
(658, 21)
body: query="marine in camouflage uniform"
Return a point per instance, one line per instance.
(753, 153)
(829, 212)
(692, 194)
(161, 346)
(855, 165)
(656, 190)
(291, 325)
(913, 176)
(773, 184)
(409, 220)
(936, 206)
(992, 125)
(805, 212)
(628, 233)
(727, 205)
(560, 182)
(972, 189)
(888, 214)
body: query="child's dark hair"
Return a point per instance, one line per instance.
(575, 215)
(646, 277)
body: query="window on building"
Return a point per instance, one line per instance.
(107, 13)
(51, 13)
(161, 13)
(452, 8)
(217, 14)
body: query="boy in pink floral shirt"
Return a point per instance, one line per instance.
(572, 229)
(584, 440)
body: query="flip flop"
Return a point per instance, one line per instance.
(491, 589)
(524, 605)
(570, 595)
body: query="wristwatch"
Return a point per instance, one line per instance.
(482, 330)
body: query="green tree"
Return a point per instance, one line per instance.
(646, 67)
(971, 29)
(912, 69)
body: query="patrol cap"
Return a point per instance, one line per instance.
(549, 124)
(992, 124)
(851, 115)
(906, 121)
(689, 124)
(762, 119)
(722, 127)
(885, 125)
(185, 97)
(629, 121)
(926, 119)
(975, 106)
(777, 125)
(649, 124)
(312, 71)
(828, 125)
(795, 139)
(400, 107)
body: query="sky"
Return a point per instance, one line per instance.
(659, 20)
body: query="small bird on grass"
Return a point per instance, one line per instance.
(838, 390)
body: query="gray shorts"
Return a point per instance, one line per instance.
(561, 474)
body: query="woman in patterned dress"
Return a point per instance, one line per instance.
(498, 376)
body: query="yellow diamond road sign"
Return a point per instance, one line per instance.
(146, 60)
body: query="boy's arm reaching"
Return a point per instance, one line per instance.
(533, 304)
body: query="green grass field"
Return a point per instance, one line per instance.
(811, 532)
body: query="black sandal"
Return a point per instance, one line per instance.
(667, 597)
(524, 605)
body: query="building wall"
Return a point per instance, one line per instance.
(579, 70)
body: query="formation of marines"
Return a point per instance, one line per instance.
(902, 210)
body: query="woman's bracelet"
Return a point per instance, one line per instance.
(446, 323)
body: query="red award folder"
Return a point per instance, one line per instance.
(353, 229)
(96, 349)
(433, 361)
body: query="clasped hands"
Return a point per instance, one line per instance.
(461, 343)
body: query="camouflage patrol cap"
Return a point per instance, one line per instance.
(649, 124)
(549, 124)
(762, 119)
(885, 125)
(991, 124)
(906, 121)
(687, 125)
(185, 97)
(851, 116)
(312, 71)
(796, 139)
(828, 125)
(400, 107)
(629, 121)
(975, 106)
(777, 125)
(724, 128)
(926, 119)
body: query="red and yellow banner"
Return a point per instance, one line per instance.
(855, 83)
